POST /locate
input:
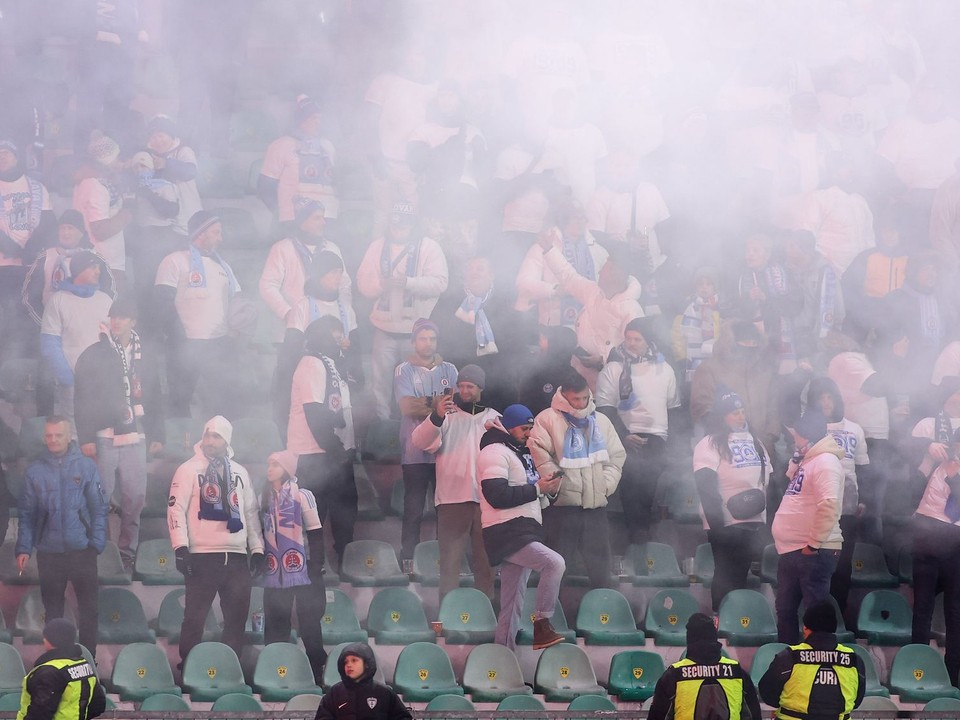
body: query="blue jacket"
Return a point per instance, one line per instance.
(62, 506)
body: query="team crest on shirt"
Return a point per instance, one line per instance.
(444, 382)
(195, 279)
(335, 403)
(548, 388)
(211, 491)
(371, 702)
(292, 560)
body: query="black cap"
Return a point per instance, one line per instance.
(821, 617)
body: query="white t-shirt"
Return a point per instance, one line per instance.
(301, 172)
(744, 471)
(849, 370)
(654, 392)
(948, 362)
(75, 320)
(93, 199)
(203, 311)
(19, 214)
(859, 118)
(403, 108)
(923, 154)
(310, 386)
(841, 222)
(307, 309)
(849, 437)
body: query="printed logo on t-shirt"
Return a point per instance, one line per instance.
(744, 453)
(796, 484)
(847, 441)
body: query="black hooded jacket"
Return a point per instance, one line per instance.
(363, 698)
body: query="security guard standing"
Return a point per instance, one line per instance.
(704, 684)
(817, 679)
(62, 685)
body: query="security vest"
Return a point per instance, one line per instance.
(81, 680)
(826, 680)
(708, 690)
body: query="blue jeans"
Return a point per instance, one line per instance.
(801, 577)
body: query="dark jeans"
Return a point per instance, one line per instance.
(638, 486)
(734, 548)
(311, 602)
(223, 574)
(936, 566)
(331, 481)
(801, 577)
(79, 568)
(569, 530)
(418, 479)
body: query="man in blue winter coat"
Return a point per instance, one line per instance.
(63, 516)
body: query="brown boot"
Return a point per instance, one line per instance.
(544, 635)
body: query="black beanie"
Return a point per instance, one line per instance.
(700, 629)
(60, 633)
(821, 617)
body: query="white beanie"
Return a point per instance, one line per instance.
(221, 426)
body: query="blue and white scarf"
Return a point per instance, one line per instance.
(198, 274)
(286, 556)
(219, 499)
(577, 253)
(471, 312)
(583, 444)
(411, 252)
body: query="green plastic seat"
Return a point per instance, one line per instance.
(182, 434)
(653, 564)
(762, 659)
(237, 702)
(31, 437)
(667, 615)
(746, 619)
(919, 675)
(368, 499)
(885, 618)
(5, 635)
(683, 502)
(454, 703)
(558, 621)
(165, 702)
(605, 618)
(468, 617)
(396, 500)
(254, 439)
(308, 702)
(331, 673)
(521, 703)
(877, 703)
(423, 672)
(769, 562)
(371, 563)
(634, 674)
(564, 672)
(944, 705)
(426, 565)
(170, 618)
(340, 624)
(31, 617)
(703, 565)
(873, 687)
(10, 702)
(121, 619)
(156, 563)
(396, 617)
(140, 670)
(492, 673)
(110, 570)
(870, 568)
(382, 444)
(283, 671)
(593, 703)
(11, 670)
(212, 670)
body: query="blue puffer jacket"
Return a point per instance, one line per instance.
(62, 506)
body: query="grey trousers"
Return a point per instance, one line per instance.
(514, 573)
(130, 463)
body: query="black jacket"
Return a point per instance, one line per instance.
(45, 686)
(99, 397)
(363, 698)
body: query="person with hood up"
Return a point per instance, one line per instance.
(818, 678)
(63, 516)
(936, 549)
(573, 439)
(824, 395)
(731, 468)
(705, 684)
(214, 519)
(512, 495)
(62, 684)
(358, 695)
(806, 529)
(293, 569)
